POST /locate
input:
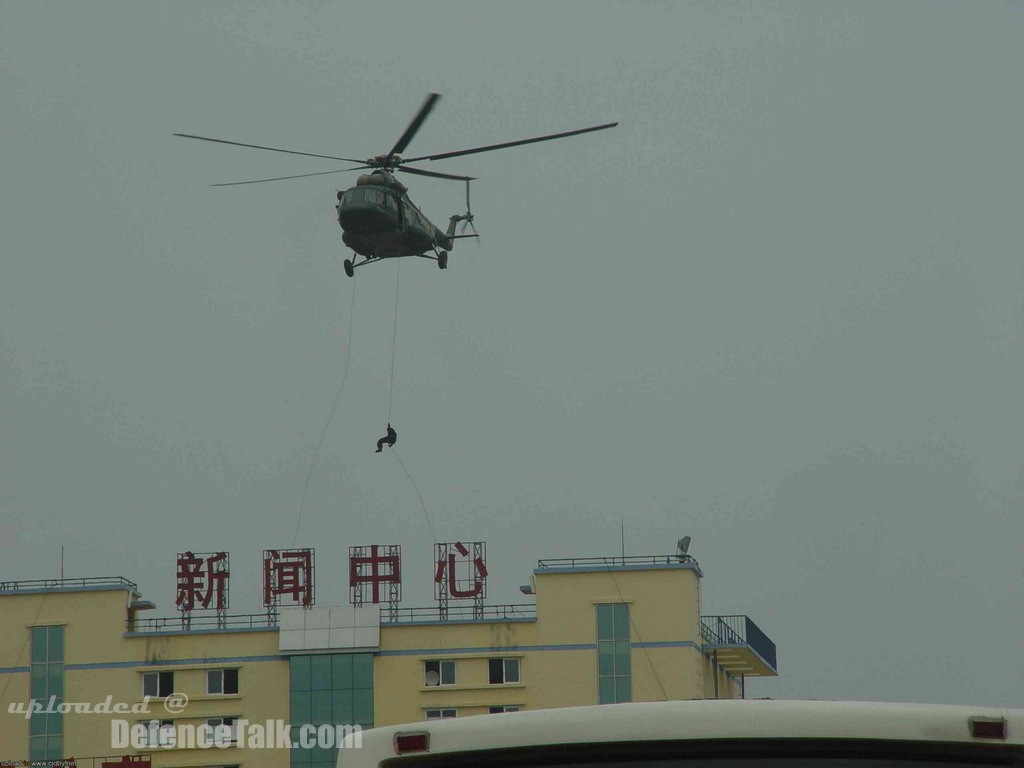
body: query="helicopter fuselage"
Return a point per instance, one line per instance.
(379, 221)
(377, 218)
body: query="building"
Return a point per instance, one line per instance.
(597, 630)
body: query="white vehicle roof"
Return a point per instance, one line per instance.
(692, 720)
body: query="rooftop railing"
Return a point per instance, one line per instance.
(92, 582)
(516, 611)
(614, 562)
(202, 622)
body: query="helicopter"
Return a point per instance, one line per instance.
(377, 218)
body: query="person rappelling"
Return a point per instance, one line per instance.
(389, 439)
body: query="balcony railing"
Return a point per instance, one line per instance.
(92, 582)
(517, 611)
(737, 631)
(203, 622)
(614, 562)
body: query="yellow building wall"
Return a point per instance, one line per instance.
(94, 634)
(664, 607)
(400, 695)
(558, 651)
(728, 688)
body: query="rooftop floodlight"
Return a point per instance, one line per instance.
(683, 545)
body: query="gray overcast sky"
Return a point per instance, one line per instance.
(779, 308)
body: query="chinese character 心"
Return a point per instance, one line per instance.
(446, 573)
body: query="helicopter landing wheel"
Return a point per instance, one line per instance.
(442, 259)
(347, 264)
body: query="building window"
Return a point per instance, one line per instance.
(46, 679)
(499, 710)
(440, 714)
(503, 671)
(614, 680)
(438, 673)
(158, 684)
(225, 729)
(224, 681)
(159, 733)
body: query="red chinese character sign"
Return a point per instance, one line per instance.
(377, 569)
(461, 573)
(202, 584)
(287, 573)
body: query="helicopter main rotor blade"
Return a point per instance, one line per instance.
(511, 143)
(269, 149)
(435, 174)
(282, 178)
(414, 126)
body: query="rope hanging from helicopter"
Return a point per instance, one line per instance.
(382, 167)
(394, 340)
(330, 417)
(391, 389)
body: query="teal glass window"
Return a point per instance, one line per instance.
(299, 673)
(362, 671)
(614, 671)
(46, 682)
(333, 688)
(320, 707)
(341, 670)
(320, 673)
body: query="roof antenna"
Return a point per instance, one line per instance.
(622, 521)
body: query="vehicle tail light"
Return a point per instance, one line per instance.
(988, 727)
(412, 742)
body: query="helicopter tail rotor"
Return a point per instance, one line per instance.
(467, 220)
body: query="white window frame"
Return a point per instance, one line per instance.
(161, 733)
(221, 672)
(504, 708)
(505, 661)
(158, 694)
(230, 722)
(440, 672)
(442, 713)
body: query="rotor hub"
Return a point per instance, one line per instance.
(382, 161)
